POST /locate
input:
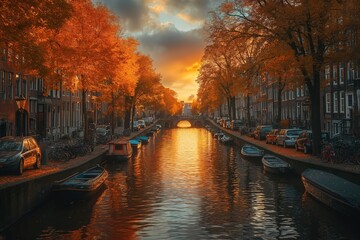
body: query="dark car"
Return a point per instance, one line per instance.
(103, 135)
(261, 131)
(304, 140)
(19, 153)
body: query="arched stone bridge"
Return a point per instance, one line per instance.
(172, 122)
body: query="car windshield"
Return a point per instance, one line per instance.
(10, 146)
(266, 129)
(293, 132)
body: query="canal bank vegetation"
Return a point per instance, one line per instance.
(255, 45)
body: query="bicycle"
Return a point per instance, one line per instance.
(328, 154)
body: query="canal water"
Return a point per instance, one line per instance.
(186, 185)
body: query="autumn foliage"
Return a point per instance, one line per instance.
(77, 45)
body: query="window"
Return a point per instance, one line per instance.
(335, 74)
(297, 92)
(342, 101)
(342, 74)
(327, 73)
(350, 100)
(327, 100)
(302, 91)
(336, 128)
(10, 85)
(336, 103)
(2, 84)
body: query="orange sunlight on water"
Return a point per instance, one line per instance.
(184, 124)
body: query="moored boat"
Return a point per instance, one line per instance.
(274, 164)
(336, 192)
(251, 151)
(119, 149)
(81, 184)
(135, 143)
(226, 139)
(143, 139)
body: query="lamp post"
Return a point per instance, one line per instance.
(20, 102)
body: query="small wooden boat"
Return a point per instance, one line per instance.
(135, 143)
(119, 149)
(274, 164)
(336, 192)
(143, 139)
(81, 184)
(251, 151)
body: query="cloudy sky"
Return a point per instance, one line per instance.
(169, 31)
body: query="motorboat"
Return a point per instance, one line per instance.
(143, 139)
(334, 191)
(119, 149)
(135, 143)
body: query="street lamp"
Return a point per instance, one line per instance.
(20, 102)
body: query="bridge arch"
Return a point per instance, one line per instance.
(172, 122)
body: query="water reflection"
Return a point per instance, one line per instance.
(184, 184)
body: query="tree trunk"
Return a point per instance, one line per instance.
(315, 112)
(127, 118)
(233, 108)
(112, 114)
(280, 88)
(86, 122)
(229, 106)
(248, 109)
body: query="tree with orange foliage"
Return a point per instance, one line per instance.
(314, 30)
(80, 53)
(147, 84)
(20, 22)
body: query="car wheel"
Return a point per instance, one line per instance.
(306, 150)
(20, 169)
(37, 162)
(284, 144)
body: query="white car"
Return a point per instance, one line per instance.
(287, 137)
(141, 123)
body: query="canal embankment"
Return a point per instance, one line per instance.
(21, 194)
(299, 161)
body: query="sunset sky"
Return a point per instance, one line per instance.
(169, 31)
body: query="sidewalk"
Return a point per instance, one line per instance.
(9, 179)
(292, 154)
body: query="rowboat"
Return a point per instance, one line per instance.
(336, 192)
(251, 151)
(119, 149)
(81, 184)
(135, 144)
(274, 164)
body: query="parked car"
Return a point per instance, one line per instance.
(19, 153)
(261, 131)
(228, 124)
(142, 123)
(136, 126)
(287, 137)
(271, 136)
(103, 135)
(235, 124)
(304, 140)
(250, 132)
